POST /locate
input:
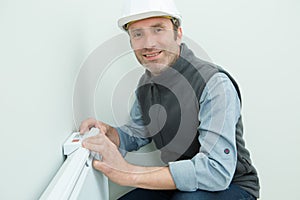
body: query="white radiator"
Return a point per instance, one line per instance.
(76, 179)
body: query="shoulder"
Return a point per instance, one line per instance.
(220, 85)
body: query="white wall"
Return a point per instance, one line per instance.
(44, 43)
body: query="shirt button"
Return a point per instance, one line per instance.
(226, 151)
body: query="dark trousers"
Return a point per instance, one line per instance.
(234, 192)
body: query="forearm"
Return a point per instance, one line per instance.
(213, 167)
(152, 178)
(126, 174)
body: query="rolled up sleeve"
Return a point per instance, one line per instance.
(212, 169)
(132, 134)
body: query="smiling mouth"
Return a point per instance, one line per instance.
(152, 55)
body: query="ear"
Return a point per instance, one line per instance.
(129, 39)
(179, 36)
(130, 44)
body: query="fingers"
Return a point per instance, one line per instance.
(93, 143)
(98, 143)
(102, 127)
(96, 147)
(87, 124)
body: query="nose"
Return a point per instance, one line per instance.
(149, 41)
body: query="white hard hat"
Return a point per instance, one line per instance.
(141, 9)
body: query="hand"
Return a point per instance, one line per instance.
(107, 130)
(87, 124)
(118, 170)
(113, 165)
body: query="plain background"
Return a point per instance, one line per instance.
(44, 43)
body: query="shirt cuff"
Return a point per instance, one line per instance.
(121, 145)
(184, 175)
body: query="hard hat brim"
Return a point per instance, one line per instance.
(136, 17)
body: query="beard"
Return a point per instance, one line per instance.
(156, 66)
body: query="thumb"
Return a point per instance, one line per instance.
(101, 166)
(102, 127)
(86, 125)
(83, 129)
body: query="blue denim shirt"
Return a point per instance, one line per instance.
(213, 167)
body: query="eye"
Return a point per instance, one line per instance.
(158, 29)
(136, 34)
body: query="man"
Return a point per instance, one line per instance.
(189, 108)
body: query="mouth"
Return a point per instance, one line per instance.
(152, 55)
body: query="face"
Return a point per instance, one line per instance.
(155, 44)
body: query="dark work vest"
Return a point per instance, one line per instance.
(170, 108)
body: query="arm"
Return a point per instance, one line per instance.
(128, 137)
(132, 135)
(118, 170)
(138, 176)
(213, 167)
(114, 166)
